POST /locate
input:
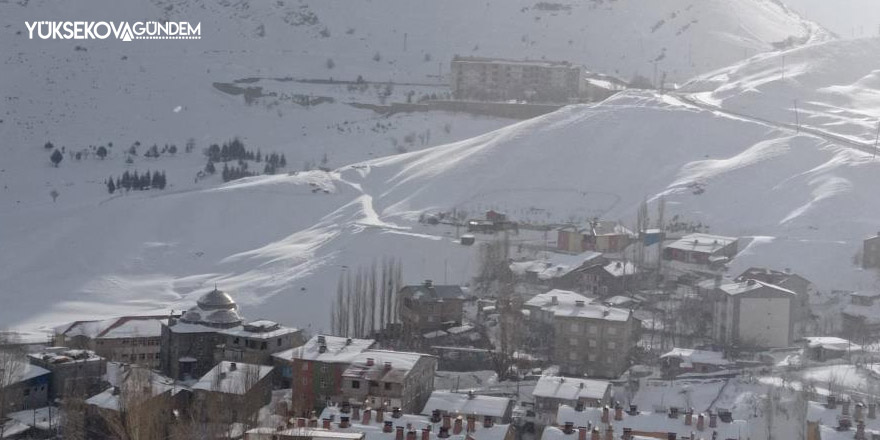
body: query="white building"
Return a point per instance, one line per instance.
(751, 313)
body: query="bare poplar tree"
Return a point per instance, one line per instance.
(12, 366)
(143, 410)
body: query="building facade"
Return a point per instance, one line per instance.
(189, 344)
(257, 341)
(594, 340)
(427, 307)
(126, 339)
(493, 79)
(753, 314)
(73, 372)
(390, 378)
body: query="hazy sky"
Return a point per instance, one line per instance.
(847, 18)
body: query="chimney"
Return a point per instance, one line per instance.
(860, 411)
(488, 422)
(579, 406)
(435, 416)
(605, 414)
(618, 412)
(594, 435)
(322, 349)
(673, 412)
(568, 428)
(579, 303)
(301, 422)
(671, 436)
(689, 417)
(845, 405)
(322, 340)
(627, 434)
(872, 410)
(346, 408)
(554, 300)
(471, 423)
(370, 362)
(380, 415)
(232, 366)
(701, 422)
(411, 435)
(388, 426)
(396, 412)
(447, 421)
(387, 366)
(633, 410)
(313, 421)
(368, 414)
(398, 435)
(831, 403)
(426, 433)
(582, 433)
(356, 413)
(471, 395)
(347, 341)
(457, 429)
(609, 432)
(713, 420)
(860, 431)
(344, 422)
(325, 423)
(444, 432)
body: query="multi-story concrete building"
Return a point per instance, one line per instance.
(233, 391)
(390, 378)
(426, 307)
(594, 340)
(74, 372)
(27, 387)
(495, 79)
(553, 391)
(126, 339)
(751, 313)
(871, 252)
(316, 369)
(189, 344)
(802, 287)
(256, 341)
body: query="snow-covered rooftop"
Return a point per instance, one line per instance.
(232, 377)
(831, 343)
(643, 422)
(593, 311)
(746, 286)
(336, 349)
(555, 265)
(569, 388)
(374, 429)
(621, 268)
(466, 403)
(692, 356)
(262, 329)
(66, 356)
(557, 297)
(132, 377)
(704, 243)
(383, 365)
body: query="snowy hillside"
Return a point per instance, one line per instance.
(834, 86)
(279, 243)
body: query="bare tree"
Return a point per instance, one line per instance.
(143, 406)
(12, 365)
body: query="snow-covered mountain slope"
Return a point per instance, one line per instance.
(847, 19)
(834, 86)
(79, 92)
(279, 243)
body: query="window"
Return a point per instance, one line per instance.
(235, 341)
(575, 327)
(612, 331)
(592, 357)
(305, 366)
(594, 329)
(387, 385)
(27, 391)
(263, 345)
(323, 383)
(572, 356)
(612, 345)
(593, 343)
(279, 342)
(573, 341)
(356, 384)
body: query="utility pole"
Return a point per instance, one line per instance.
(783, 67)
(876, 141)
